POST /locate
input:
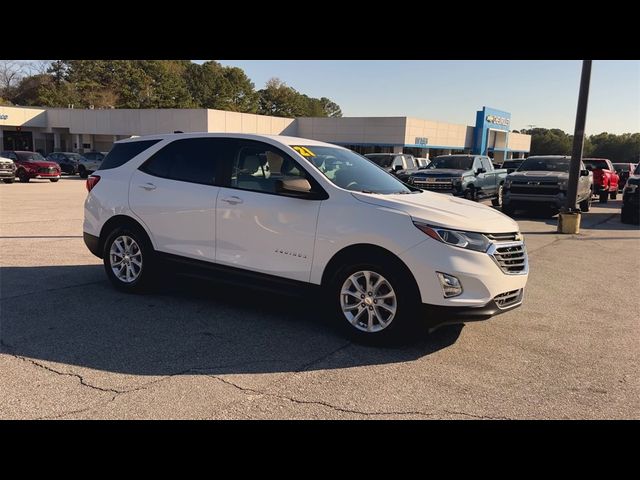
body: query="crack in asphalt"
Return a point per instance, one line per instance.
(315, 402)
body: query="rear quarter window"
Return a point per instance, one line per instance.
(121, 153)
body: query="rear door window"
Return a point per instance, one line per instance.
(195, 160)
(123, 152)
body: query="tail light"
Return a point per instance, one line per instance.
(92, 181)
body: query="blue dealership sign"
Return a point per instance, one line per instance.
(488, 119)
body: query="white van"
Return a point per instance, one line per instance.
(291, 212)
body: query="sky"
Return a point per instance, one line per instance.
(539, 93)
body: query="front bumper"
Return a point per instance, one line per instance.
(438, 315)
(44, 177)
(557, 200)
(481, 278)
(7, 174)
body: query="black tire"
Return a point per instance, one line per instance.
(627, 215)
(23, 176)
(497, 202)
(470, 194)
(53, 180)
(407, 301)
(83, 172)
(144, 281)
(613, 195)
(8, 180)
(585, 205)
(508, 210)
(604, 196)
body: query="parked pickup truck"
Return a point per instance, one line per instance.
(541, 181)
(469, 176)
(402, 165)
(605, 178)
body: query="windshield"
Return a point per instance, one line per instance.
(382, 160)
(592, 164)
(456, 163)
(31, 157)
(73, 156)
(351, 171)
(621, 167)
(545, 164)
(511, 164)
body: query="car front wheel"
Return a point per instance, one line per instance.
(83, 172)
(128, 260)
(497, 202)
(374, 302)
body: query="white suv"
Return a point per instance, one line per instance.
(298, 212)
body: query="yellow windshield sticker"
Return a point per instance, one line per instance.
(304, 151)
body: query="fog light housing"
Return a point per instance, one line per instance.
(451, 286)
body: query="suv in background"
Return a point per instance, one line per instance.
(7, 170)
(630, 212)
(68, 161)
(32, 165)
(294, 213)
(542, 181)
(605, 178)
(624, 171)
(402, 165)
(90, 162)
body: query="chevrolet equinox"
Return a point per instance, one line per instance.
(297, 212)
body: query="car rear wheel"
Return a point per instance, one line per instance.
(604, 196)
(83, 172)
(585, 205)
(53, 180)
(613, 195)
(128, 260)
(374, 301)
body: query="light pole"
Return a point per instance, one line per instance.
(569, 218)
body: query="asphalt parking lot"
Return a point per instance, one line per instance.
(73, 347)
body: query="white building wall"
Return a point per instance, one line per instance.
(519, 141)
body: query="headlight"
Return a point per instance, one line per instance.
(456, 238)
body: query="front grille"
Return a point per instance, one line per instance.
(535, 189)
(434, 184)
(510, 257)
(508, 299)
(47, 170)
(502, 237)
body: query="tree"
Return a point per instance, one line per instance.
(11, 72)
(280, 100)
(330, 108)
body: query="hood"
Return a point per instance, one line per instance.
(544, 174)
(5, 160)
(445, 211)
(440, 172)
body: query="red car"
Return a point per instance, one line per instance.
(32, 165)
(605, 178)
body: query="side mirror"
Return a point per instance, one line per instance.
(397, 168)
(481, 170)
(300, 186)
(584, 173)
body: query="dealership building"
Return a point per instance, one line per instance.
(81, 130)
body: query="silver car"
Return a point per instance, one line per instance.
(90, 162)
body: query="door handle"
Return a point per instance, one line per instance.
(232, 200)
(148, 186)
